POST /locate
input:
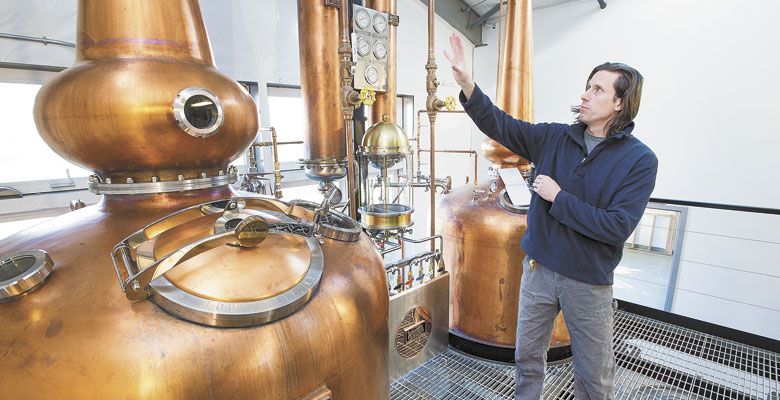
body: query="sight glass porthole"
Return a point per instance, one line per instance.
(22, 272)
(198, 112)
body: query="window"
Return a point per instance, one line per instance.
(404, 111)
(37, 184)
(648, 269)
(286, 113)
(29, 164)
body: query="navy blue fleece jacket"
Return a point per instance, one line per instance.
(603, 194)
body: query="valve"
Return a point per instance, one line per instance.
(450, 103)
(368, 95)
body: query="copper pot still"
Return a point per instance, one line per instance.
(482, 238)
(76, 334)
(482, 251)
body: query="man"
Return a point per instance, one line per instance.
(594, 181)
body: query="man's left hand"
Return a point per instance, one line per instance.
(546, 187)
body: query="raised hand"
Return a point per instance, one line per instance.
(458, 61)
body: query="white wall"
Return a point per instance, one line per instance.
(707, 112)
(729, 271)
(53, 19)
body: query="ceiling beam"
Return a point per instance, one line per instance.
(458, 14)
(486, 16)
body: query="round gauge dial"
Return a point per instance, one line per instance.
(380, 50)
(380, 23)
(363, 47)
(362, 19)
(371, 74)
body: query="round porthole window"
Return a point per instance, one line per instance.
(23, 272)
(198, 112)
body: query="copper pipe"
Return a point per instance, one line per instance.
(514, 92)
(432, 105)
(277, 167)
(349, 99)
(419, 132)
(515, 83)
(419, 129)
(500, 36)
(326, 147)
(275, 151)
(471, 152)
(385, 102)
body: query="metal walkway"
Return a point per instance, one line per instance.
(655, 360)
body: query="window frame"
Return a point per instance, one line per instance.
(38, 75)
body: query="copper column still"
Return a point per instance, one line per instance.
(482, 232)
(325, 142)
(77, 335)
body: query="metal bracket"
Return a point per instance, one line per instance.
(332, 3)
(393, 19)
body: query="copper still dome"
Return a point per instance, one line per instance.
(286, 308)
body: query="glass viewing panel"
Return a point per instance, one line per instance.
(386, 184)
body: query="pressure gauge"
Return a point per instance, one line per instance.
(380, 23)
(362, 19)
(380, 50)
(371, 74)
(363, 47)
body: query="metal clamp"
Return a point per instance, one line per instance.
(98, 186)
(22, 272)
(393, 19)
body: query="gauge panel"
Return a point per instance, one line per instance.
(371, 48)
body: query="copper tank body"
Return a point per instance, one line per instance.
(482, 239)
(77, 335)
(325, 140)
(482, 251)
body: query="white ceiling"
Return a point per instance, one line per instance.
(483, 6)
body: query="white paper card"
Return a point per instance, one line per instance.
(516, 187)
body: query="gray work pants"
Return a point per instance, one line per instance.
(588, 312)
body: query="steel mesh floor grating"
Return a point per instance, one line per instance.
(655, 360)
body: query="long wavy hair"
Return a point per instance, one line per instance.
(628, 88)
